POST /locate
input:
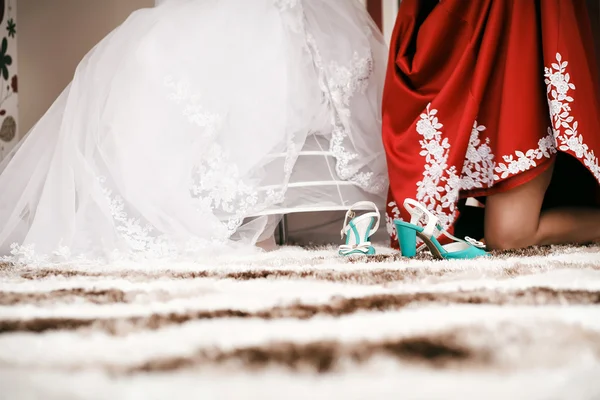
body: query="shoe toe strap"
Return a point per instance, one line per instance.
(363, 247)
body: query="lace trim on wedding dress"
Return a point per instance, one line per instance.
(339, 83)
(216, 184)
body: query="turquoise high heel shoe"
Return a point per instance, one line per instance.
(408, 233)
(359, 230)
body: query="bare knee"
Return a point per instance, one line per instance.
(512, 218)
(509, 236)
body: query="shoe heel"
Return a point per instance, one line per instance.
(407, 239)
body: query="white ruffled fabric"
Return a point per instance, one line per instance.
(193, 122)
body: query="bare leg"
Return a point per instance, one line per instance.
(514, 219)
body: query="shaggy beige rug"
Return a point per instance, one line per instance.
(305, 324)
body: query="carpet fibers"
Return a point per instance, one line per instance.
(306, 324)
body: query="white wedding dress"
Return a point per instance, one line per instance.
(191, 126)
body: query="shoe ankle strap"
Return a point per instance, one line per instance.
(418, 211)
(350, 214)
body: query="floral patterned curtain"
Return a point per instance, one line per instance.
(8, 76)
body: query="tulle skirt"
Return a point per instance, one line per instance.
(192, 125)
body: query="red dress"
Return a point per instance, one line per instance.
(481, 95)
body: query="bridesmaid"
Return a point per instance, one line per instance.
(497, 100)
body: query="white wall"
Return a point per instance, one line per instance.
(53, 36)
(390, 10)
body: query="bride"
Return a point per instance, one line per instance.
(192, 126)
